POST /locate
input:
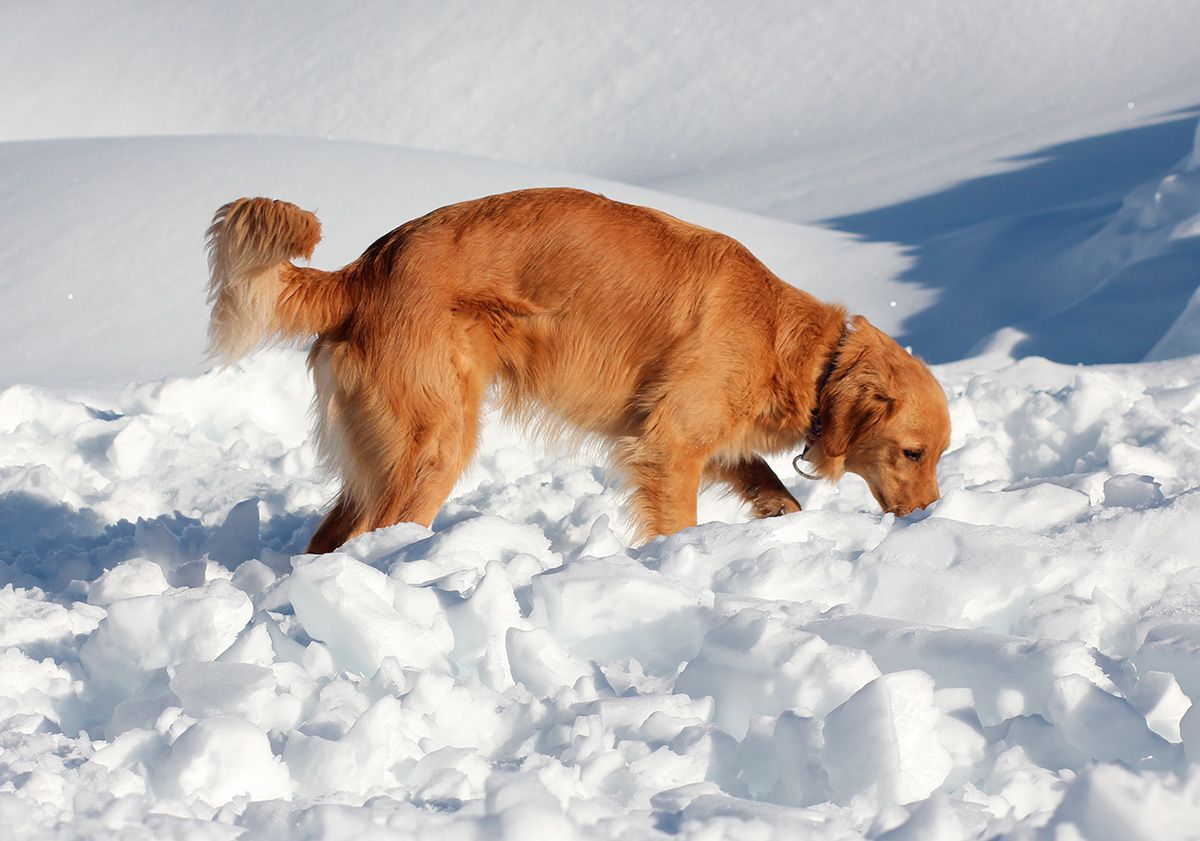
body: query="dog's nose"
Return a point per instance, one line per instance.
(904, 509)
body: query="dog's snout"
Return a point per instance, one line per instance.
(903, 509)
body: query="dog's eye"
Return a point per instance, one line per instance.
(912, 455)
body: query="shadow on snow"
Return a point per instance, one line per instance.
(999, 251)
(50, 545)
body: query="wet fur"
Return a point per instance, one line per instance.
(595, 318)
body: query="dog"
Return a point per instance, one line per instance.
(670, 342)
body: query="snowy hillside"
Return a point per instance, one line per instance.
(85, 216)
(803, 110)
(993, 183)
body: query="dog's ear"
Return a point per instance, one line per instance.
(855, 402)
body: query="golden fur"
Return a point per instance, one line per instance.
(669, 341)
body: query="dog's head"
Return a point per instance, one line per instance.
(884, 417)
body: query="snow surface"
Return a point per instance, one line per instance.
(1020, 661)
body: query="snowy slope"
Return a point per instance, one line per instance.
(989, 142)
(802, 110)
(104, 239)
(995, 181)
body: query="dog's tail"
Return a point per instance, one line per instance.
(256, 293)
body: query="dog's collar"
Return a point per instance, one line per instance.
(814, 423)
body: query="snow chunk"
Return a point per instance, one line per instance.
(350, 607)
(882, 743)
(616, 609)
(1036, 508)
(480, 624)
(135, 577)
(1129, 490)
(220, 758)
(1102, 725)
(31, 687)
(241, 689)
(26, 619)
(782, 759)
(1008, 676)
(540, 664)
(237, 539)
(457, 557)
(130, 448)
(1110, 803)
(1158, 697)
(149, 632)
(755, 663)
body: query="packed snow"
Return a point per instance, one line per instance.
(1020, 661)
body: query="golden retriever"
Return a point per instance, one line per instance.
(668, 341)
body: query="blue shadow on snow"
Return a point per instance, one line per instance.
(996, 248)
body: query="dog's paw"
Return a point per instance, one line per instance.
(774, 506)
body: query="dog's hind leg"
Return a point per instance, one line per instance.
(418, 483)
(665, 486)
(338, 526)
(756, 483)
(664, 465)
(419, 457)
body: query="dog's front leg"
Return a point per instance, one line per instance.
(756, 483)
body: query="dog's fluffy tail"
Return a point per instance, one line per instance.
(256, 293)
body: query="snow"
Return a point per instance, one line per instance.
(1022, 660)
(70, 206)
(965, 671)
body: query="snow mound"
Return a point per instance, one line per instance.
(83, 217)
(1024, 655)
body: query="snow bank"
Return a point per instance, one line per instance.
(1024, 656)
(772, 107)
